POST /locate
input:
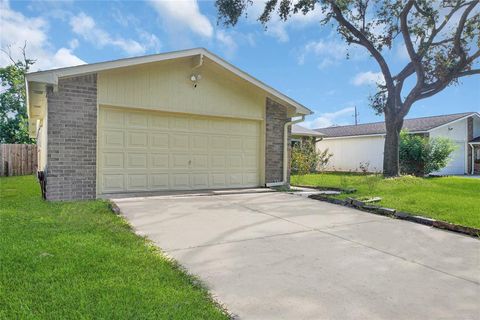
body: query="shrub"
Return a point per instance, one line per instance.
(306, 158)
(420, 155)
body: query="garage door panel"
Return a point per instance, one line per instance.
(137, 120)
(159, 181)
(199, 161)
(112, 160)
(137, 139)
(180, 161)
(218, 162)
(218, 143)
(112, 118)
(178, 124)
(159, 161)
(178, 141)
(113, 139)
(199, 125)
(199, 142)
(142, 151)
(235, 144)
(179, 181)
(199, 181)
(250, 179)
(234, 162)
(137, 182)
(159, 140)
(113, 182)
(136, 161)
(159, 123)
(235, 179)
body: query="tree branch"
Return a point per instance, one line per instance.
(469, 73)
(363, 41)
(458, 34)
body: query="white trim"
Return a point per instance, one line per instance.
(52, 76)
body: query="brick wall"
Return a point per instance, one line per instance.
(72, 139)
(469, 138)
(276, 116)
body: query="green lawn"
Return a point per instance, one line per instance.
(78, 260)
(451, 199)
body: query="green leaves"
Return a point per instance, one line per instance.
(13, 110)
(306, 158)
(420, 155)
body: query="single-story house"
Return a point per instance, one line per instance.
(301, 134)
(364, 143)
(175, 121)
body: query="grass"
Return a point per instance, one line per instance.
(78, 260)
(451, 199)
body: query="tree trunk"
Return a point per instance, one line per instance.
(391, 161)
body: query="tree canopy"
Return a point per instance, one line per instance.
(441, 38)
(13, 110)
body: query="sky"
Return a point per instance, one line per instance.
(301, 58)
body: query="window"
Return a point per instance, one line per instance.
(296, 142)
(477, 153)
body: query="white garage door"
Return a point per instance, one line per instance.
(149, 151)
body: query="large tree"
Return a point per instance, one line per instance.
(13, 110)
(441, 38)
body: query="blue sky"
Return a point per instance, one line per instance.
(301, 58)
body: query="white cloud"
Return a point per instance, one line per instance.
(330, 51)
(329, 119)
(186, 13)
(17, 29)
(368, 78)
(86, 27)
(227, 42)
(73, 44)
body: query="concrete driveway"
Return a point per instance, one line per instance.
(283, 256)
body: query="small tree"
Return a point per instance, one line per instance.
(420, 155)
(306, 158)
(13, 109)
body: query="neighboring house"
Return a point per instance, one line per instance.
(176, 121)
(364, 143)
(300, 134)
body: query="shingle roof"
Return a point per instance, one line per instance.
(412, 125)
(298, 130)
(476, 140)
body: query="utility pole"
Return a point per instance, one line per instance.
(356, 115)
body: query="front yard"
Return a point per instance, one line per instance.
(78, 260)
(451, 199)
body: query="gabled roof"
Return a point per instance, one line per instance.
(378, 128)
(298, 130)
(51, 76)
(475, 141)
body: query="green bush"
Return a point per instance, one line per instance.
(421, 155)
(306, 158)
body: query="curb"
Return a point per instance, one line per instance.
(392, 213)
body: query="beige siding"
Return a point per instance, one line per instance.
(166, 86)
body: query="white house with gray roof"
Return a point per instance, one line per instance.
(355, 144)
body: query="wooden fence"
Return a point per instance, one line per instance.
(18, 159)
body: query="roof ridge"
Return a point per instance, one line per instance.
(381, 122)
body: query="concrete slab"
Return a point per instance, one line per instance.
(281, 256)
